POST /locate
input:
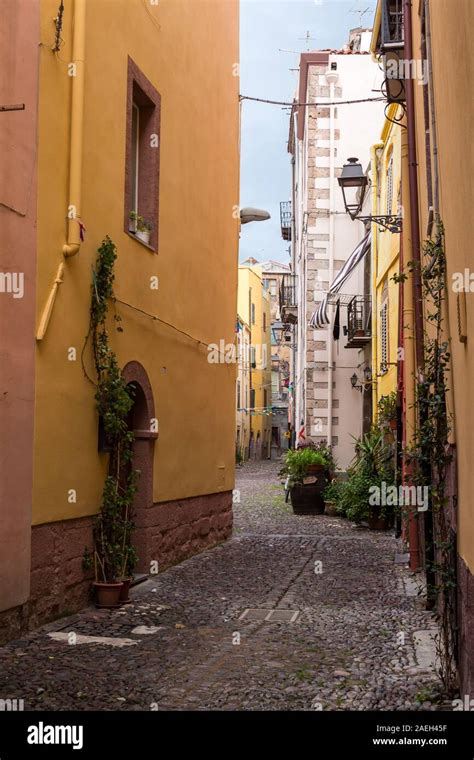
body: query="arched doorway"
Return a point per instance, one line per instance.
(142, 422)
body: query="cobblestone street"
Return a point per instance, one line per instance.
(348, 641)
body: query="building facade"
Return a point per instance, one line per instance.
(254, 310)
(242, 391)
(437, 198)
(274, 273)
(79, 164)
(325, 406)
(386, 179)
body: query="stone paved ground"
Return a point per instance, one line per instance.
(351, 646)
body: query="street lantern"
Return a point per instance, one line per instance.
(354, 379)
(278, 330)
(353, 181)
(253, 215)
(367, 374)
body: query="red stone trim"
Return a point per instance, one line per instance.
(169, 532)
(139, 87)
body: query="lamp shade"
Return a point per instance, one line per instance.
(352, 180)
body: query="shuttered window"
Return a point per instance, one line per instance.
(384, 338)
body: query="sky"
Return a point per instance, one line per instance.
(266, 27)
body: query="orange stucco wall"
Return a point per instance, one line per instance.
(452, 22)
(19, 31)
(188, 51)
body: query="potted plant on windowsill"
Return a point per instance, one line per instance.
(306, 478)
(140, 227)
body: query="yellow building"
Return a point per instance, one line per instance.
(242, 391)
(254, 309)
(437, 171)
(137, 111)
(386, 164)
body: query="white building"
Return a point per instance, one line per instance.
(322, 137)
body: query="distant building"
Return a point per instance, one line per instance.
(274, 273)
(253, 307)
(327, 352)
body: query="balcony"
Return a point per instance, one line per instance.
(359, 313)
(391, 31)
(285, 219)
(288, 306)
(391, 46)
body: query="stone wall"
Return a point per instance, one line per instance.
(166, 533)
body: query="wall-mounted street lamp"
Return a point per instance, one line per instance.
(367, 379)
(353, 182)
(253, 215)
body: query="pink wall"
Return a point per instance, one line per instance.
(19, 61)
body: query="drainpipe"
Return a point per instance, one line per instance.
(374, 243)
(331, 78)
(433, 131)
(416, 257)
(71, 248)
(408, 319)
(414, 201)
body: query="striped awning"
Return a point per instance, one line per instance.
(320, 317)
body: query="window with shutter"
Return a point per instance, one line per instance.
(389, 203)
(384, 338)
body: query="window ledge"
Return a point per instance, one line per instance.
(141, 242)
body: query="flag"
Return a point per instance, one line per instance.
(337, 322)
(301, 432)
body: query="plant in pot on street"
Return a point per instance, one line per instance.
(326, 450)
(333, 494)
(306, 476)
(113, 554)
(370, 468)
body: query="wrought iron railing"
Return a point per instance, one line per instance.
(359, 313)
(288, 289)
(286, 219)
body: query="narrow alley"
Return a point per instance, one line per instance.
(292, 613)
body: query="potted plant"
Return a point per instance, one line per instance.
(332, 497)
(387, 412)
(128, 565)
(113, 553)
(370, 468)
(140, 227)
(306, 477)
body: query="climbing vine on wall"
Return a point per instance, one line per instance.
(114, 555)
(432, 456)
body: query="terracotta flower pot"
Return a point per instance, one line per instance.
(108, 594)
(124, 591)
(315, 468)
(377, 522)
(330, 508)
